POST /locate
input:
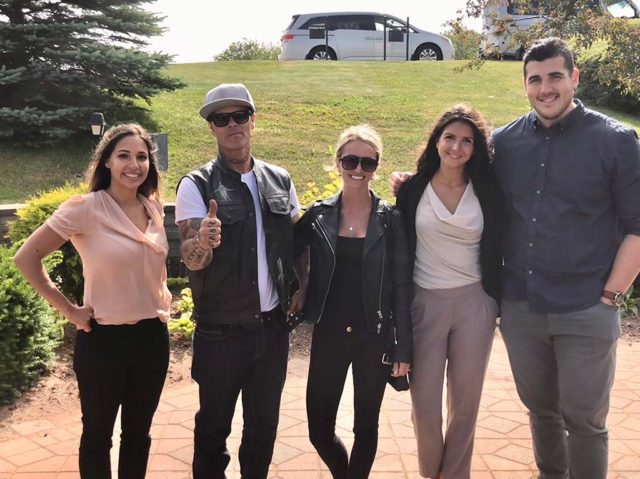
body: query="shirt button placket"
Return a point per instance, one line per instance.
(535, 209)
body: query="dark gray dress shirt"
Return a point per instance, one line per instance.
(572, 192)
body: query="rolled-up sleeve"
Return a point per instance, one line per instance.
(626, 181)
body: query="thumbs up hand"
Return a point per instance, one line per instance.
(209, 234)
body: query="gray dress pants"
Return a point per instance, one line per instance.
(563, 366)
(453, 331)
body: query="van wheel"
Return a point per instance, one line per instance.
(428, 52)
(321, 53)
(520, 53)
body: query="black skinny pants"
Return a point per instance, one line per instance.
(332, 352)
(119, 366)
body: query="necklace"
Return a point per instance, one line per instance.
(353, 224)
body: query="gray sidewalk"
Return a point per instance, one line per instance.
(47, 448)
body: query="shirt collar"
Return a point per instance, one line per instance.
(561, 125)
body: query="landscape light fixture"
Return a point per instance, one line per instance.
(98, 125)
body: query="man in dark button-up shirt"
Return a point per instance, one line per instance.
(571, 180)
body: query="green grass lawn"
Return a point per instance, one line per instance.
(302, 108)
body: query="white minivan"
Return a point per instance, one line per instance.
(502, 19)
(360, 36)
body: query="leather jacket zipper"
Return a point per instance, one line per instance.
(381, 279)
(333, 268)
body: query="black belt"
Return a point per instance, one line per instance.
(268, 319)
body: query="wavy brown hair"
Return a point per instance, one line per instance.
(429, 160)
(99, 176)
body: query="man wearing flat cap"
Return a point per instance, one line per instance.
(235, 217)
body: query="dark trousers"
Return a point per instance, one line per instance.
(332, 352)
(119, 366)
(226, 362)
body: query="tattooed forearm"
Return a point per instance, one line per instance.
(301, 267)
(193, 255)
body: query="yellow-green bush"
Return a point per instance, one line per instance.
(67, 274)
(182, 328)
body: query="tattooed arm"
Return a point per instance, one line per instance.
(193, 252)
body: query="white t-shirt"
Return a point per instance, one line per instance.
(189, 204)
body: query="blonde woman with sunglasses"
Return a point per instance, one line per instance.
(353, 271)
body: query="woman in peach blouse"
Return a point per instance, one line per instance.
(122, 346)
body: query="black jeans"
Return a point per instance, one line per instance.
(119, 366)
(225, 362)
(331, 354)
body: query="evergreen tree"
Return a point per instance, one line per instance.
(62, 60)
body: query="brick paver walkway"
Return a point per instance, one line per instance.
(47, 448)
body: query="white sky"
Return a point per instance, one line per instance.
(199, 29)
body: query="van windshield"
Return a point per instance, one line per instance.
(622, 9)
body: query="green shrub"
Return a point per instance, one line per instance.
(182, 328)
(606, 81)
(67, 273)
(631, 303)
(247, 49)
(177, 284)
(29, 332)
(466, 41)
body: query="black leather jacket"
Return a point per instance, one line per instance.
(226, 291)
(386, 288)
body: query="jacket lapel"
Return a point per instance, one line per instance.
(329, 219)
(377, 224)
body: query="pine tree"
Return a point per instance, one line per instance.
(62, 60)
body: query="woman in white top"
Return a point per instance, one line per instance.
(122, 345)
(452, 212)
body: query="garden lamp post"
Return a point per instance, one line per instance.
(98, 125)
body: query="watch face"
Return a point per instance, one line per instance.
(618, 299)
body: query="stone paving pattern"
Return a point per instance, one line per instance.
(47, 448)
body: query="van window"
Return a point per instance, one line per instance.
(315, 22)
(392, 24)
(341, 22)
(352, 22)
(621, 9)
(293, 19)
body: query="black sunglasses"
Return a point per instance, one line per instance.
(222, 119)
(351, 162)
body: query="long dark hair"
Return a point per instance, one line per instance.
(99, 176)
(429, 160)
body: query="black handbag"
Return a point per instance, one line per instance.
(399, 383)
